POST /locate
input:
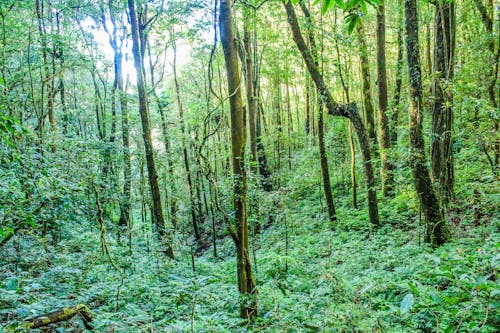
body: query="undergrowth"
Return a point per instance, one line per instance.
(312, 276)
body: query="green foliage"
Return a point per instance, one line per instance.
(312, 276)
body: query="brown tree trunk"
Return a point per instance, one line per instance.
(442, 112)
(385, 140)
(267, 184)
(249, 75)
(369, 118)
(344, 79)
(437, 231)
(348, 111)
(399, 80)
(146, 132)
(308, 106)
(185, 154)
(246, 281)
(493, 91)
(264, 171)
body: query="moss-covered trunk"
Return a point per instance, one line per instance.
(246, 281)
(437, 231)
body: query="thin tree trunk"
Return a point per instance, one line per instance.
(399, 79)
(249, 75)
(345, 87)
(308, 106)
(146, 132)
(325, 173)
(116, 41)
(437, 231)
(267, 184)
(246, 281)
(194, 218)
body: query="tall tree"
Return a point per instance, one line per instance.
(488, 18)
(185, 155)
(116, 41)
(366, 84)
(442, 112)
(396, 99)
(246, 281)
(383, 121)
(437, 231)
(146, 131)
(249, 75)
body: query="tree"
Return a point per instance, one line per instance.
(487, 16)
(442, 111)
(437, 231)
(146, 130)
(246, 281)
(369, 113)
(325, 173)
(116, 41)
(385, 140)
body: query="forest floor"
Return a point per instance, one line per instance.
(310, 277)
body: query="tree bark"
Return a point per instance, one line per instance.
(437, 231)
(348, 111)
(246, 281)
(146, 133)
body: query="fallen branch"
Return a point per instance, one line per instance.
(63, 314)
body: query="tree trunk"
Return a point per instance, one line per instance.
(246, 281)
(385, 140)
(58, 316)
(267, 184)
(194, 218)
(251, 100)
(146, 133)
(399, 80)
(366, 84)
(348, 111)
(437, 231)
(325, 173)
(493, 91)
(116, 42)
(442, 112)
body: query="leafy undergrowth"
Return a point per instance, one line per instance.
(311, 277)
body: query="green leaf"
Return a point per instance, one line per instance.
(406, 303)
(327, 4)
(352, 21)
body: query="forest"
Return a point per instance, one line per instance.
(249, 166)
